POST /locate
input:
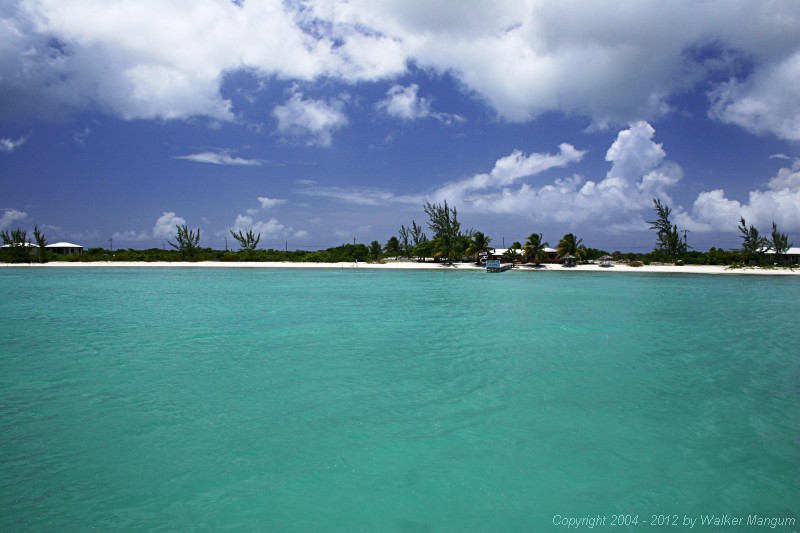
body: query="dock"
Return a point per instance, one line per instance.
(496, 266)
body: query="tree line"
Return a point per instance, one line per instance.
(448, 243)
(754, 249)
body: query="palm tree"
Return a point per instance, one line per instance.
(570, 245)
(375, 250)
(511, 253)
(534, 248)
(478, 243)
(393, 247)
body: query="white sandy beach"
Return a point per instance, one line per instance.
(617, 268)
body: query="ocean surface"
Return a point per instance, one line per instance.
(361, 400)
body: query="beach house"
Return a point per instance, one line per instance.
(501, 254)
(64, 248)
(791, 257)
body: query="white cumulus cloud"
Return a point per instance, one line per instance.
(713, 211)
(787, 178)
(9, 145)
(514, 186)
(767, 101)
(267, 203)
(492, 191)
(610, 61)
(613, 62)
(11, 216)
(165, 226)
(406, 104)
(268, 229)
(313, 121)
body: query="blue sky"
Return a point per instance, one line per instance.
(318, 122)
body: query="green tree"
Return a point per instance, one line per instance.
(405, 241)
(462, 244)
(443, 221)
(570, 245)
(417, 235)
(780, 242)
(590, 254)
(512, 253)
(247, 242)
(41, 242)
(187, 242)
(668, 240)
(19, 247)
(424, 249)
(753, 244)
(534, 248)
(392, 247)
(375, 250)
(478, 243)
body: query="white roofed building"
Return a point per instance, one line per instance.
(500, 253)
(64, 248)
(792, 255)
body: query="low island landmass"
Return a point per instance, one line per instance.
(448, 248)
(428, 265)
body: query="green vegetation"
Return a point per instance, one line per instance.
(393, 247)
(753, 244)
(449, 244)
(534, 248)
(424, 250)
(187, 242)
(375, 251)
(478, 243)
(571, 245)
(405, 242)
(19, 246)
(668, 242)
(780, 243)
(347, 253)
(247, 243)
(41, 243)
(443, 222)
(512, 253)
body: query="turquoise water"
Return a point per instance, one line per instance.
(357, 400)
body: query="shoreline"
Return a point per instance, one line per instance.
(413, 265)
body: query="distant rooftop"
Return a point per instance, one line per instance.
(63, 245)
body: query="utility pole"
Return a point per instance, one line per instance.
(111, 244)
(286, 243)
(226, 243)
(685, 231)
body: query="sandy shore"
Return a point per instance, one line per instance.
(689, 269)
